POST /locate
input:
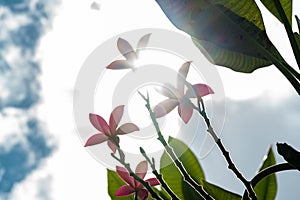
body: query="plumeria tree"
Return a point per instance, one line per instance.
(230, 33)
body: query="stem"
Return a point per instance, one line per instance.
(268, 171)
(159, 176)
(136, 196)
(290, 77)
(187, 178)
(226, 154)
(292, 71)
(289, 31)
(136, 177)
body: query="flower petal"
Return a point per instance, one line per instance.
(142, 43)
(123, 173)
(124, 190)
(165, 107)
(126, 50)
(115, 118)
(181, 77)
(200, 90)
(153, 181)
(185, 111)
(96, 139)
(99, 123)
(141, 169)
(112, 145)
(167, 90)
(119, 64)
(127, 128)
(143, 194)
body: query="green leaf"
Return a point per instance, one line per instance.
(290, 154)
(229, 32)
(172, 175)
(157, 192)
(286, 5)
(189, 192)
(266, 189)
(219, 193)
(114, 183)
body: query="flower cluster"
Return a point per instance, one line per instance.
(179, 96)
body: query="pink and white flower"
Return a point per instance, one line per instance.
(179, 97)
(129, 53)
(133, 186)
(109, 132)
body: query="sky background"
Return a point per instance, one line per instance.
(43, 46)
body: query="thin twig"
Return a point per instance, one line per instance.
(159, 176)
(266, 172)
(187, 178)
(226, 154)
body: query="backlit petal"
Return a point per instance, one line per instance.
(185, 111)
(142, 43)
(141, 169)
(124, 191)
(153, 181)
(127, 128)
(126, 50)
(99, 123)
(181, 77)
(165, 107)
(123, 173)
(200, 90)
(119, 64)
(115, 118)
(167, 90)
(112, 145)
(143, 194)
(96, 139)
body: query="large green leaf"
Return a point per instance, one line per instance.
(172, 175)
(114, 183)
(286, 5)
(189, 192)
(266, 189)
(219, 193)
(229, 32)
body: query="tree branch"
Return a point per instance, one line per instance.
(268, 171)
(226, 154)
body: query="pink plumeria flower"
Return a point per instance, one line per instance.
(133, 186)
(129, 53)
(179, 97)
(110, 132)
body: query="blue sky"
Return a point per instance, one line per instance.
(43, 45)
(25, 142)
